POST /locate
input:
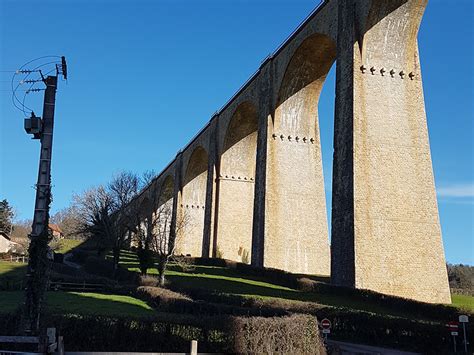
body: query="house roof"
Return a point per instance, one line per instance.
(3, 234)
(55, 228)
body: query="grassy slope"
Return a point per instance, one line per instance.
(463, 302)
(82, 303)
(229, 281)
(225, 281)
(11, 273)
(66, 245)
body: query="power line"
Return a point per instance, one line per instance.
(15, 100)
(31, 89)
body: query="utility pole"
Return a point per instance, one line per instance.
(38, 264)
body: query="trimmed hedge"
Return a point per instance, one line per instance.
(297, 334)
(420, 335)
(172, 333)
(169, 301)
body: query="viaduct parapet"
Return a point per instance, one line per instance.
(251, 181)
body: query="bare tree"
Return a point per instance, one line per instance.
(146, 178)
(163, 239)
(69, 221)
(123, 188)
(139, 215)
(94, 207)
(103, 211)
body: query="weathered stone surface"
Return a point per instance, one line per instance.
(252, 180)
(394, 245)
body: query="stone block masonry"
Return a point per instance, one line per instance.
(251, 181)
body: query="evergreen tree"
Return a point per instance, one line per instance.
(6, 217)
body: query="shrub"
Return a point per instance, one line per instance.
(305, 284)
(159, 296)
(461, 279)
(296, 334)
(170, 301)
(164, 333)
(184, 263)
(147, 280)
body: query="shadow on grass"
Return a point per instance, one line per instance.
(254, 289)
(12, 275)
(318, 278)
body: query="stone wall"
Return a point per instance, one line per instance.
(251, 182)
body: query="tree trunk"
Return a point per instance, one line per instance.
(116, 260)
(161, 273)
(162, 279)
(36, 282)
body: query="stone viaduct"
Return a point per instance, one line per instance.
(251, 181)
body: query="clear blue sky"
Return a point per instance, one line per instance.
(145, 76)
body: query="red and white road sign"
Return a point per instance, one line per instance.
(326, 323)
(453, 327)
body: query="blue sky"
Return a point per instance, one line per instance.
(145, 76)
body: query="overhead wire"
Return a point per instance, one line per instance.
(15, 100)
(28, 91)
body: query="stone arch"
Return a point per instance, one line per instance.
(145, 207)
(141, 219)
(297, 101)
(166, 191)
(193, 201)
(235, 197)
(296, 228)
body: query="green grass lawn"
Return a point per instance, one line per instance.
(220, 280)
(66, 245)
(229, 281)
(463, 302)
(82, 303)
(11, 274)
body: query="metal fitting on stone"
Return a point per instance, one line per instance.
(289, 138)
(233, 177)
(312, 140)
(297, 138)
(245, 178)
(227, 176)
(411, 75)
(363, 69)
(372, 70)
(392, 72)
(282, 136)
(274, 135)
(382, 71)
(304, 139)
(402, 74)
(238, 178)
(192, 206)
